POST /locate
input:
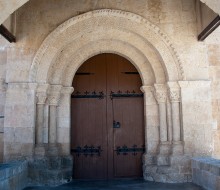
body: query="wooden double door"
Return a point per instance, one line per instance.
(107, 119)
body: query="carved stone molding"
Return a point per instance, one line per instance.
(161, 42)
(160, 93)
(194, 84)
(43, 88)
(67, 90)
(148, 95)
(147, 89)
(22, 86)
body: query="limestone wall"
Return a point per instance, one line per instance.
(176, 18)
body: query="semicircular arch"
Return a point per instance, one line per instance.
(117, 21)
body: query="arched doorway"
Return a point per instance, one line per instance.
(107, 139)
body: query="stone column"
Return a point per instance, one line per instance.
(164, 147)
(41, 95)
(53, 101)
(41, 99)
(174, 95)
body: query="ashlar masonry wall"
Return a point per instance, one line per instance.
(177, 27)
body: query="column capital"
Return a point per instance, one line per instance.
(160, 93)
(41, 97)
(174, 91)
(41, 93)
(53, 99)
(54, 94)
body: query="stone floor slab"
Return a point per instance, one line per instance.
(134, 184)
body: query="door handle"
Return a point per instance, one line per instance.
(116, 124)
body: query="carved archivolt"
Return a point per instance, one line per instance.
(115, 27)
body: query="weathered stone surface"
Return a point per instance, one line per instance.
(206, 172)
(13, 175)
(158, 37)
(50, 170)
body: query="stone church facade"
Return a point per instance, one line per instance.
(179, 74)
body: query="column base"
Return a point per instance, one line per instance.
(177, 148)
(164, 154)
(179, 171)
(163, 160)
(165, 147)
(40, 150)
(53, 150)
(149, 159)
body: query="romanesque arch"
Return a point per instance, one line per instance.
(119, 26)
(136, 39)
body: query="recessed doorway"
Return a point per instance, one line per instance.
(107, 119)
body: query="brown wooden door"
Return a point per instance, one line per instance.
(107, 89)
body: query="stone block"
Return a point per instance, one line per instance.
(166, 170)
(214, 169)
(67, 161)
(50, 170)
(149, 159)
(163, 160)
(208, 180)
(54, 163)
(217, 185)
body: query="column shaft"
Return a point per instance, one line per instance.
(176, 121)
(52, 125)
(163, 122)
(40, 123)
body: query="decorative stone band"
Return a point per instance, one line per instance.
(22, 86)
(194, 84)
(148, 95)
(67, 90)
(160, 93)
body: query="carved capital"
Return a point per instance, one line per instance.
(54, 94)
(54, 99)
(174, 95)
(160, 93)
(174, 91)
(41, 98)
